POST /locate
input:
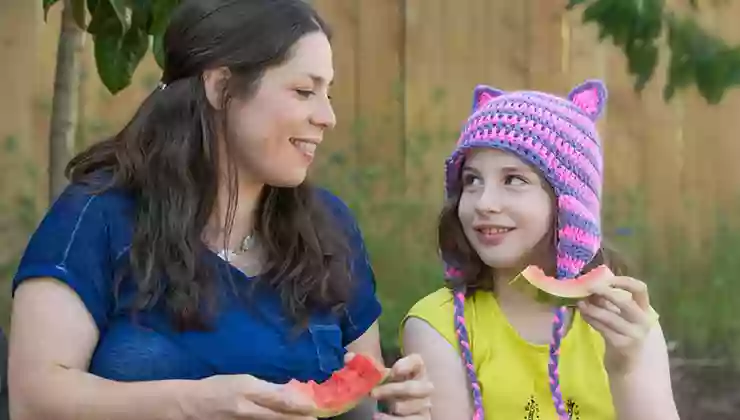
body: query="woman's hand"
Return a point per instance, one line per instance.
(407, 391)
(620, 310)
(232, 397)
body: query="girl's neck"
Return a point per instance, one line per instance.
(510, 296)
(531, 319)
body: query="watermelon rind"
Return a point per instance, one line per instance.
(568, 292)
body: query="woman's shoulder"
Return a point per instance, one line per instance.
(336, 206)
(95, 195)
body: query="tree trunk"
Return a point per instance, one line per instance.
(64, 107)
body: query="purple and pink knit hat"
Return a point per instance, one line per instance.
(558, 136)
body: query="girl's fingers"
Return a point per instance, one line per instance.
(409, 367)
(609, 298)
(610, 320)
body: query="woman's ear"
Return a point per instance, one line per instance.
(214, 83)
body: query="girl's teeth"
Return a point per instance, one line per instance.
(496, 230)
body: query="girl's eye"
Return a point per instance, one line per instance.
(470, 179)
(304, 93)
(515, 180)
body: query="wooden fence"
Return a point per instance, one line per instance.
(405, 72)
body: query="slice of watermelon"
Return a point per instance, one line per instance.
(566, 292)
(346, 387)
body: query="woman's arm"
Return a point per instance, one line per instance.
(52, 338)
(451, 398)
(646, 393)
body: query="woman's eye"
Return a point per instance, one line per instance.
(304, 93)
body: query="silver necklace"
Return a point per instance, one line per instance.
(246, 245)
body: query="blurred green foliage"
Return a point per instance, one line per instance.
(696, 56)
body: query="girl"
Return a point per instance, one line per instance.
(523, 187)
(188, 270)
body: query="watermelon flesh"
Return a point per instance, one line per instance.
(567, 292)
(346, 387)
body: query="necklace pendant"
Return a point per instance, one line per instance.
(227, 254)
(247, 243)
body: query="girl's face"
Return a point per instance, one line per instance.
(277, 131)
(505, 208)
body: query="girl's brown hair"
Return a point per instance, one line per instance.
(474, 274)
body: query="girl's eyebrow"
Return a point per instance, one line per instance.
(470, 169)
(515, 168)
(505, 169)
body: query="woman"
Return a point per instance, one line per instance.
(188, 270)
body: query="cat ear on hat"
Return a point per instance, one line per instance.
(483, 94)
(591, 97)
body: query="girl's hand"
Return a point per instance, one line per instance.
(621, 312)
(241, 397)
(407, 391)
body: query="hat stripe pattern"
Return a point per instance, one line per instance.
(553, 146)
(538, 127)
(558, 136)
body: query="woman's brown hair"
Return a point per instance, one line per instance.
(166, 157)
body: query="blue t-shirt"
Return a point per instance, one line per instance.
(84, 236)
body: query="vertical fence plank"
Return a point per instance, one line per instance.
(337, 157)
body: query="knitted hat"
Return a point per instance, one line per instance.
(557, 136)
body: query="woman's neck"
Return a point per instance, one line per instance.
(247, 196)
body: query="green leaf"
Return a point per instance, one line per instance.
(117, 58)
(108, 18)
(141, 15)
(158, 50)
(47, 5)
(161, 12)
(574, 3)
(79, 12)
(710, 79)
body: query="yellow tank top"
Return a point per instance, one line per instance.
(513, 372)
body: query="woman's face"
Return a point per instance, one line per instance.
(276, 132)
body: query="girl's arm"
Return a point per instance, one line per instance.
(646, 393)
(451, 398)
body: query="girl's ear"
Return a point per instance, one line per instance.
(591, 97)
(483, 94)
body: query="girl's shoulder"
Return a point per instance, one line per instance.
(441, 302)
(438, 310)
